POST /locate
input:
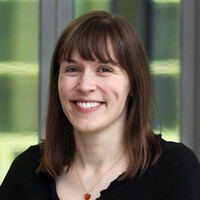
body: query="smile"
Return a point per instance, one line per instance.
(88, 104)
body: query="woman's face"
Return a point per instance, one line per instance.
(93, 94)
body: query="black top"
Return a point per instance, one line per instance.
(176, 176)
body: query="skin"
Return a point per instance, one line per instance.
(93, 96)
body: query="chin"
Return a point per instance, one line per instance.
(86, 128)
(85, 125)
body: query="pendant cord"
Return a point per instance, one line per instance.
(100, 177)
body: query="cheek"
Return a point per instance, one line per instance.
(62, 90)
(119, 88)
(63, 87)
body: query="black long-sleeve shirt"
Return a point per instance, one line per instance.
(175, 176)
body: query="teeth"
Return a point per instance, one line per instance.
(88, 104)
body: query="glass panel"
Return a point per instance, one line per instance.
(165, 64)
(158, 24)
(18, 78)
(83, 6)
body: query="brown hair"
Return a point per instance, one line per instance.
(89, 34)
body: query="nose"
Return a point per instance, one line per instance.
(87, 83)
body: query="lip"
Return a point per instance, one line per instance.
(85, 109)
(87, 100)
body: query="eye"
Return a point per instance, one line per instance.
(72, 69)
(105, 69)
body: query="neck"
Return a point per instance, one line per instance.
(96, 151)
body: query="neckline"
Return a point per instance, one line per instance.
(54, 195)
(112, 183)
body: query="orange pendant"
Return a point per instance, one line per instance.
(87, 196)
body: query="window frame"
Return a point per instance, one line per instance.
(54, 17)
(190, 73)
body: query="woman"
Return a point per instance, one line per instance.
(99, 143)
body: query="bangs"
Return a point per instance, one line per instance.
(92, 40)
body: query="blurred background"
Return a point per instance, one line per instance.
(28, 33)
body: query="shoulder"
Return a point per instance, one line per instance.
(25, 164)
(174, 154)
(22, 181)
(177, 172)
(29, 158)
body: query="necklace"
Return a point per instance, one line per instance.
(87, 195)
